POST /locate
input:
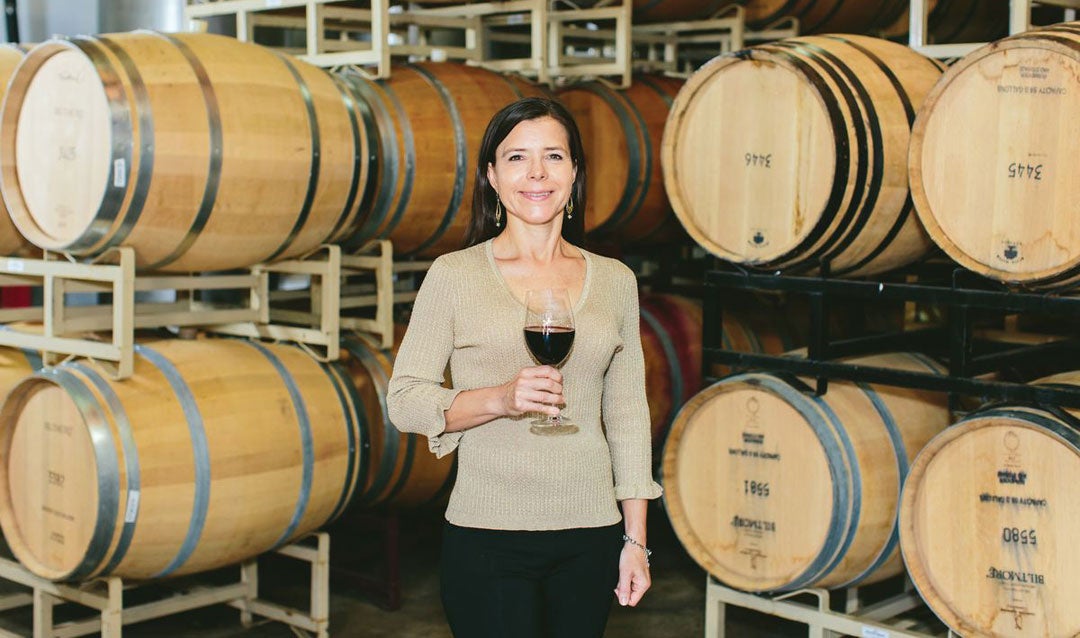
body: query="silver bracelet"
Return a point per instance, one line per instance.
(648, 552)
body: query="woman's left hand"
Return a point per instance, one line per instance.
(634, 578)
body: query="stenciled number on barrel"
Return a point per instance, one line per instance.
(1019, 536)
(756, 488)
(1019, 170)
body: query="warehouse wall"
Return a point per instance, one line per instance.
(40, 19)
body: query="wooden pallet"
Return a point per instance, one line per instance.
(106, 597)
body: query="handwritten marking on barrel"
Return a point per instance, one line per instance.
(763, 160)
(754, 554)
(1018, 615)
(57, 428)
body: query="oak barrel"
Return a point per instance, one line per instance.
(822, 16)
(11, 241)
(989, 521)
(671, 343)
(428, 120)
(671, 339)
(621, 131)
(400, 471)
(792, 154)
(955, 21)
(994, 171)
(748, 454)
(15, 365)
(213, 452)
(199, 151)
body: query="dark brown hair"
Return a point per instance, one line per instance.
(482, 224)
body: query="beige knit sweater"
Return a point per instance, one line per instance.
(509, 478)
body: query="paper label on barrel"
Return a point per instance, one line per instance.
(132, 511)
(119, 173)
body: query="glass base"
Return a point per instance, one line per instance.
(552, 426)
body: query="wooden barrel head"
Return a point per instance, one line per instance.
(791, 155)
(747, 457)
(993, 162)
(51, 497)
(740, 465)
(989, 521)
(750, 123)
(66, 112)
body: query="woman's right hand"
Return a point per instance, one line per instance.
(534, 389)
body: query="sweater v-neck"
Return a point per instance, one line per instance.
(510, 293)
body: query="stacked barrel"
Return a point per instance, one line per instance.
(848, 156)
(833, 155)
(1001, 129)
(203, 153)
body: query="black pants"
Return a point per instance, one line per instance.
(511, 584)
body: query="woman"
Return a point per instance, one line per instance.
(533, 543)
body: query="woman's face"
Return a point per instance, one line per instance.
(533, 173)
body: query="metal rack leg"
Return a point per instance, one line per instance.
(43, 614)
(112, 617)
(715, 613)
(320, 586)
(249, 576)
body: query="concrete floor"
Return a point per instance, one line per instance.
(673, 608)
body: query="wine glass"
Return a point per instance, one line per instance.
(549, 335)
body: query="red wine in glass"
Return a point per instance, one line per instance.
(549, 336)
(549, 344)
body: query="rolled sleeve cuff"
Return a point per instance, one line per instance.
(648, 491)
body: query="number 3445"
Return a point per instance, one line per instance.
(1019, 170)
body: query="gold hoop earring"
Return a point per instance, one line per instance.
(498, 212)
(570, 208)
